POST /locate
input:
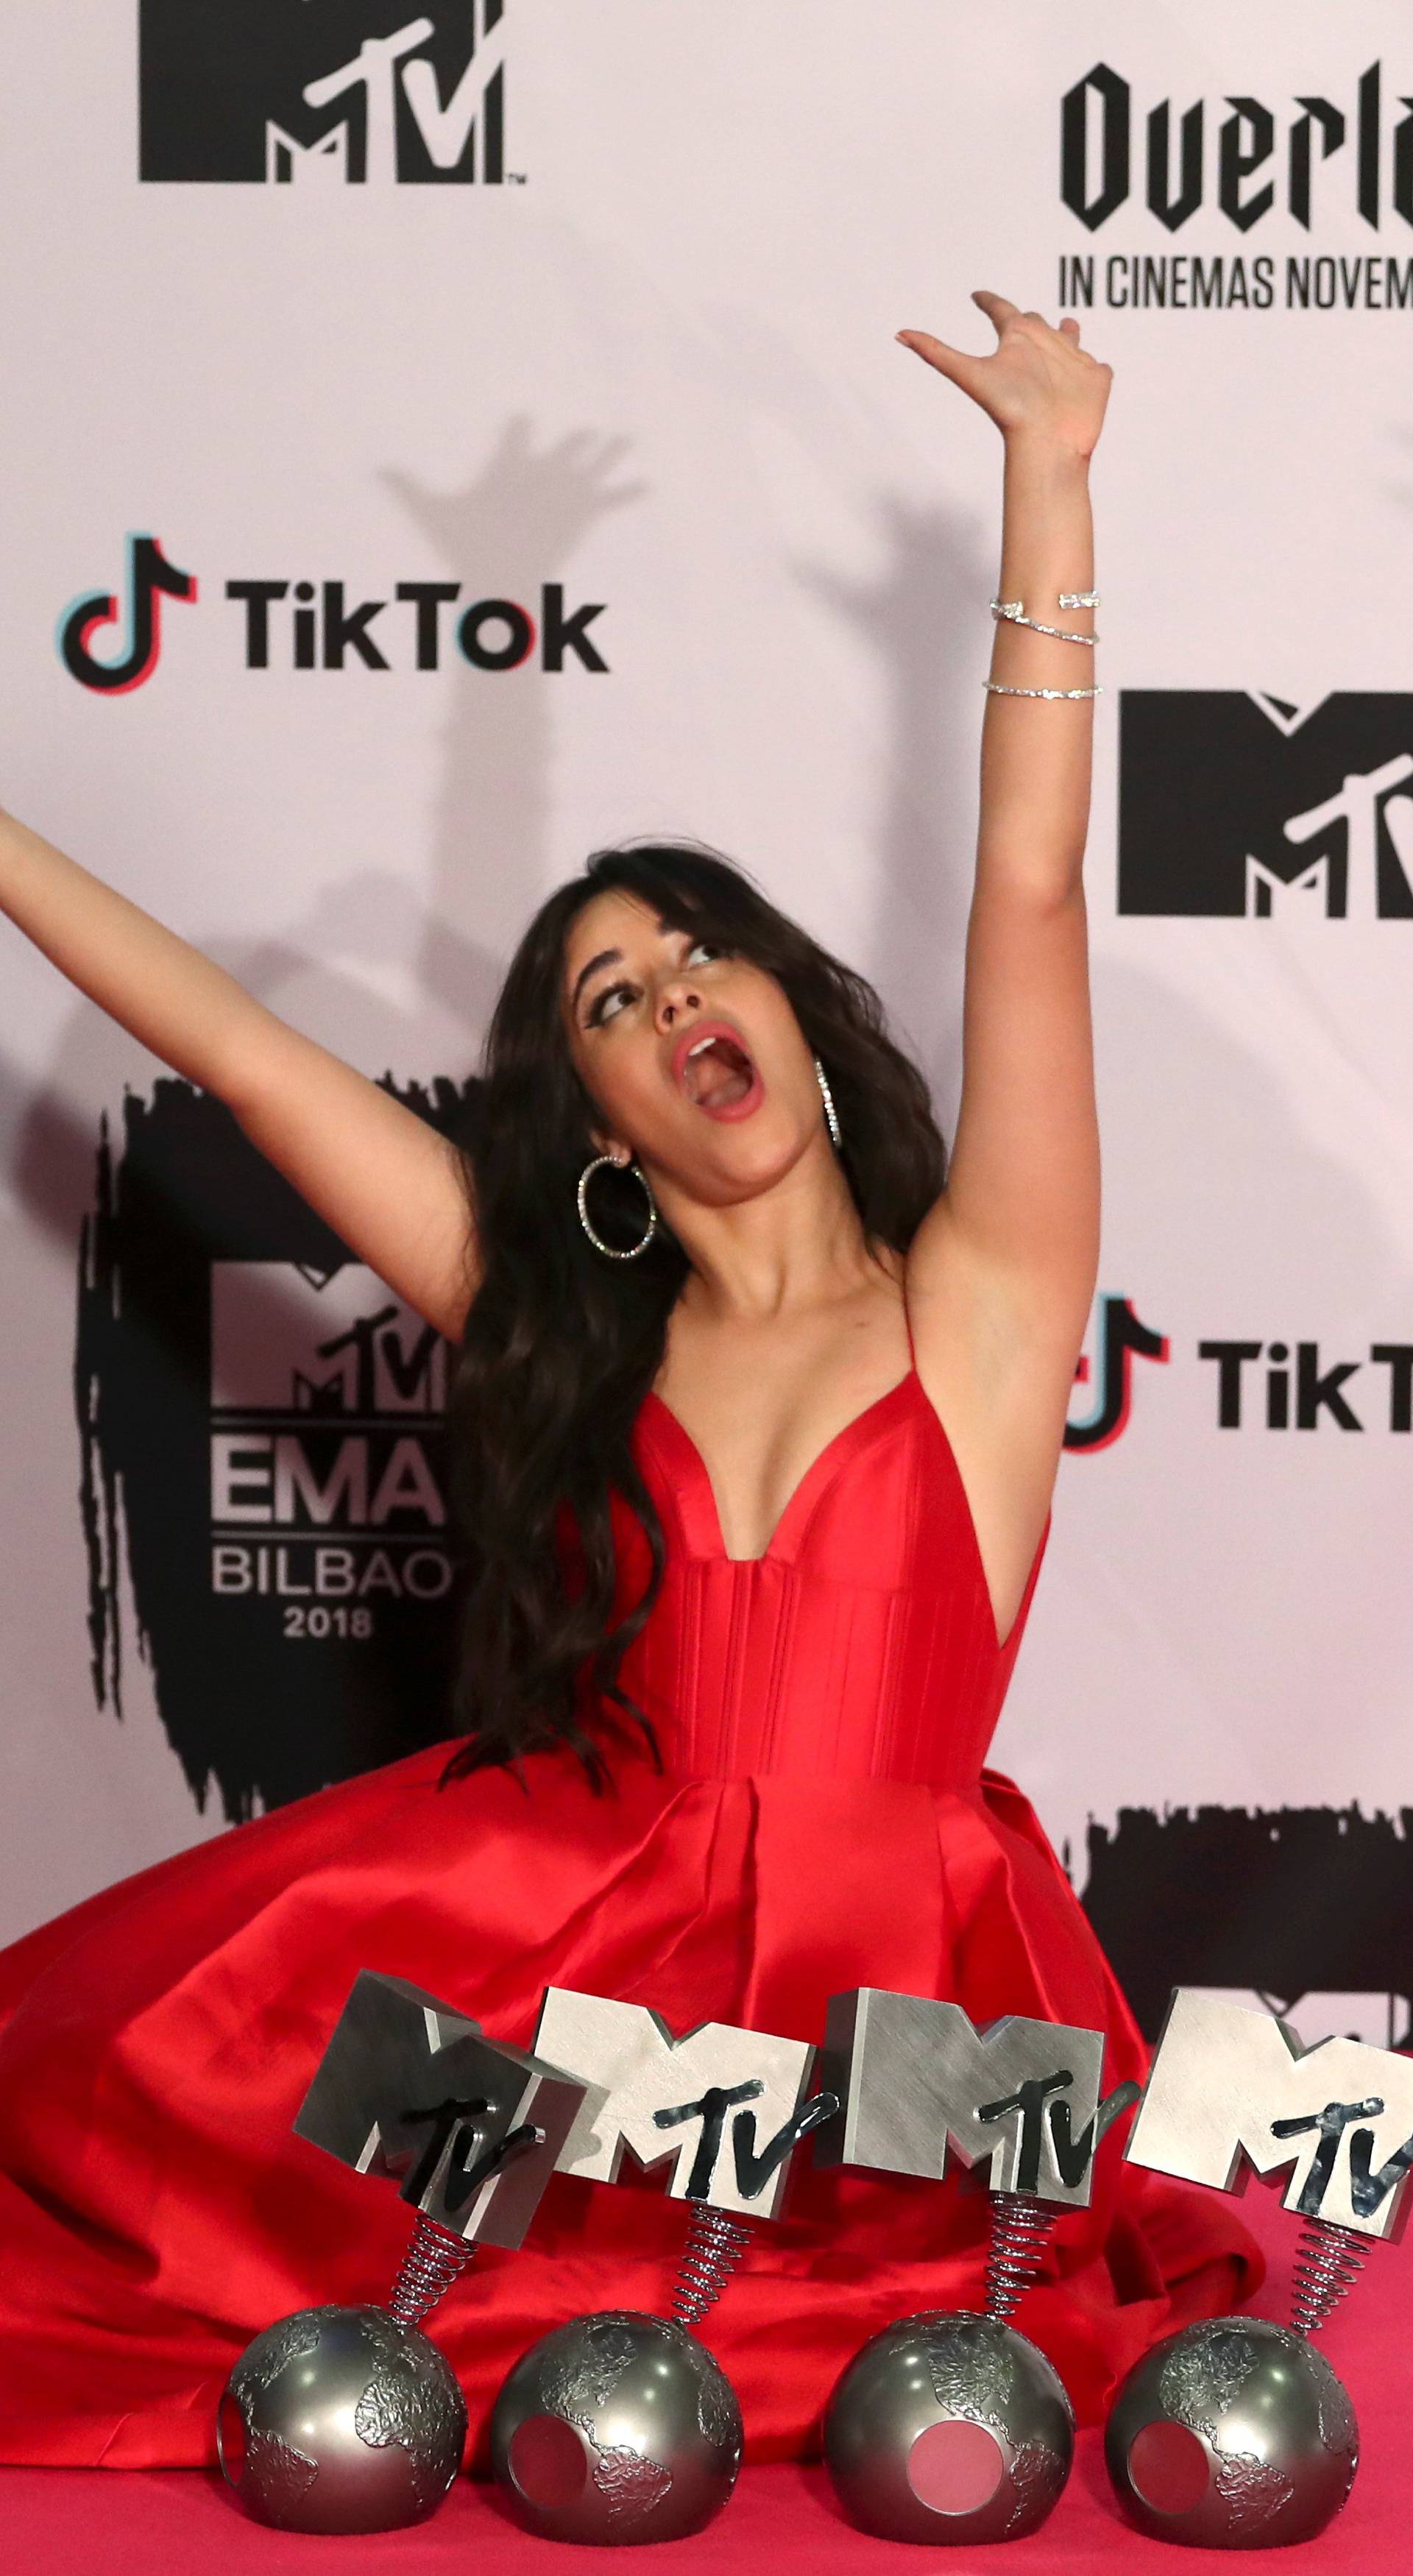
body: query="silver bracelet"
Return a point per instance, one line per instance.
(1001, 689)
(1014, 611)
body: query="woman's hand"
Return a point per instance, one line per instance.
(1037, 382)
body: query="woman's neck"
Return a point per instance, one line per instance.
(800, 1244)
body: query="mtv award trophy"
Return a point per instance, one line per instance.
(951, 2427)
(1236, 2434)
(621, 2426)
(349, 2419)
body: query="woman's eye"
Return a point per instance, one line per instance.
(701, 953)
(606, 1005)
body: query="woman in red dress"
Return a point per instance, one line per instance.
(755, 1512)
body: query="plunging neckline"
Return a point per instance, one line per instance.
(817, 1475)
(803, 1491)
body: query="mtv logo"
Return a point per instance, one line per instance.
(1231, 2089)
(325, 92)
(656, 2097)
(410, 2090)
(1232, 802)
(287, 1340)
(920, 2083)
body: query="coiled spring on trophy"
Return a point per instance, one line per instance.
(715, 2245)
(1329, 2259)
(1019, 2227)
(434, 2259)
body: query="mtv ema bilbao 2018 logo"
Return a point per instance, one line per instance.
(1236, 802)
(264, 1476)
(323, 91)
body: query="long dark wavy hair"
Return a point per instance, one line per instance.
(561, 1346)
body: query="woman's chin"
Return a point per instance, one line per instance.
(742, 1159)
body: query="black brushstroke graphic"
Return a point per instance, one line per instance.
(1286, 1901)
(256, 1716)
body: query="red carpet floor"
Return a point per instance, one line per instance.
(783, 2519)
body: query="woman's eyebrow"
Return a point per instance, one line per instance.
(605, 957)
(614, 956)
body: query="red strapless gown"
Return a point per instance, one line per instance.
(824, 1822)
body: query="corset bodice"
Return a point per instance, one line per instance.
(862, 1644)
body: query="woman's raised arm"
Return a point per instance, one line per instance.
(1002, 1272)
(387, 1183)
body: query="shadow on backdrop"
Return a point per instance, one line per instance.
(1255, 1571)
(917, 618)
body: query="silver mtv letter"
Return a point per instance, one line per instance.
(917, 2079)
(410, 2090)
(726, 2105)
(1227, 2083)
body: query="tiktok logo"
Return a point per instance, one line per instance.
(329, 627)
(150, 579)
(1119, 1339)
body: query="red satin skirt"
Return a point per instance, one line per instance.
(155, 2044)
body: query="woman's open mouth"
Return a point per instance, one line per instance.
(714, 1068)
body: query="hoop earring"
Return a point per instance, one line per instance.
(607, 1249)
(831, 1114)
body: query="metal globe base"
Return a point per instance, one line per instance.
(949, 2428)
(617, 2428)
(341, 2420)
(1234, 2434)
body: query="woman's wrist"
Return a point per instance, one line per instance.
(1039, 454)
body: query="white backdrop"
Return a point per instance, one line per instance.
(653, 363)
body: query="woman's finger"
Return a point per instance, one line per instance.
(997, 308)
(955, 363)
(1070, 327)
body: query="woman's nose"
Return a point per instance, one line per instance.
(676, 1000)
